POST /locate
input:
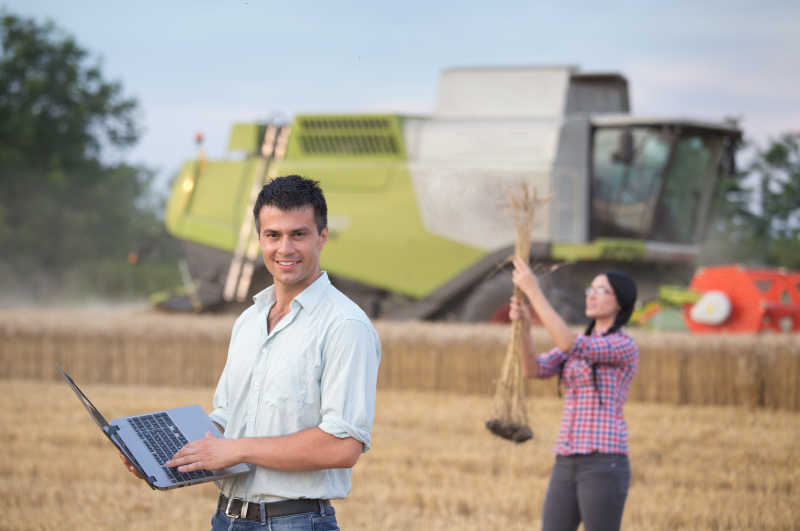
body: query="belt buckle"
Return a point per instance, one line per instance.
(242, 511)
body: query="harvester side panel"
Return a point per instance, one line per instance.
(376, 237)
(209, 201)
(463, 171)
(376, 234)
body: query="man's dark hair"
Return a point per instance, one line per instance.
(292, 192)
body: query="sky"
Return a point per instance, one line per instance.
(203, 65)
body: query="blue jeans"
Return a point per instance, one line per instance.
(586, 488)
(296, 522)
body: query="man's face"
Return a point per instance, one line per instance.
(291, 244)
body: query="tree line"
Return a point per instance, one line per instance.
(69, 217)
(759, 224)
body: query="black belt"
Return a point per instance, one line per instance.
(252, 510)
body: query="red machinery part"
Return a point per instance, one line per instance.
(761, 299)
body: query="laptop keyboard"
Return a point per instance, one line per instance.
(163, 438)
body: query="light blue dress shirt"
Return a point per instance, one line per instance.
(318, 367)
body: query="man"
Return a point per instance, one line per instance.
(296, 397)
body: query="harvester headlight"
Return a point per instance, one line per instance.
(188, 185)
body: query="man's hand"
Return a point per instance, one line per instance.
(209, 453)
(129, 466)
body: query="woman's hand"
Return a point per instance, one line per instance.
(525, 280)
(519, 309)
(523, 277)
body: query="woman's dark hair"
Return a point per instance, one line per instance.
(625, 291)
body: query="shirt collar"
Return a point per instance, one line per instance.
(307, 299)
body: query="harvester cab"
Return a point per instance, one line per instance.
(416, 203)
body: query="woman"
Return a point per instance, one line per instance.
(591, 475)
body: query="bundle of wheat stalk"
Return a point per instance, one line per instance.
(509, 414)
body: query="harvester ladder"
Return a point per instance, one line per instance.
(243, 263)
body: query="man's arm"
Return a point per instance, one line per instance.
(350, 369)
(311, 449)
(132, 469)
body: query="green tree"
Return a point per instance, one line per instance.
(63, 209)
(777, 221)
(761, 225)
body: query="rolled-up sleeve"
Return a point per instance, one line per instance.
(351, 357)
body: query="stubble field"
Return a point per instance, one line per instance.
(433, 465)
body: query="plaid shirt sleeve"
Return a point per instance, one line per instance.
(614, 349)
(550, 362)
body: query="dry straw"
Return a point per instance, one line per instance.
(144, 347)
(509, 414)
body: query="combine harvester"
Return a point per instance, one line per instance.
(416, 218)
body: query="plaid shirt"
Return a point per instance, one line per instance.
(586, 426)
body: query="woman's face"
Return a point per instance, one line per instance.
(601, 303)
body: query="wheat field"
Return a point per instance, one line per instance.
(143, 347)
(433, 465)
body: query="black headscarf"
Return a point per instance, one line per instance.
(625, 291)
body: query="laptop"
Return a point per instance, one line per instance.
(150, 440)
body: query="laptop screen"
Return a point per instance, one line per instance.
(98, 417)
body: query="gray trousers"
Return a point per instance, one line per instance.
(586, 488)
